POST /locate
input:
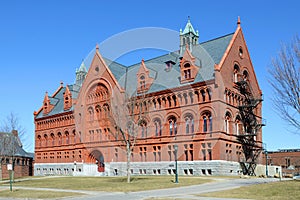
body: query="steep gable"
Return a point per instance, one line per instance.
(236, 59)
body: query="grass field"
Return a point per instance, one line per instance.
(32, 194)
(111, 184)
(285, 190)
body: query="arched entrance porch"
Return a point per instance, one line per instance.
(97, 157)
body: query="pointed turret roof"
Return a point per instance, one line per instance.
(82, 68)
(189, 28)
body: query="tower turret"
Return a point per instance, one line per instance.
(80, 74)
(188, 37)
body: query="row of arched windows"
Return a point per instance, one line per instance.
(172, 127)
(233, 98)
(98, 93)
(237, 75)
(233, 126)
(161, 102)
(98, 111)
(57, 139)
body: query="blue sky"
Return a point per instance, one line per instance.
(43, 42)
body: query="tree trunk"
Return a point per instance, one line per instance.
(128, 151)
(0, 171)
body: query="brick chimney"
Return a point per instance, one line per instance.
(15, 133)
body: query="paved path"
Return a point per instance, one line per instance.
(187, 192)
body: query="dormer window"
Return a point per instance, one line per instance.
(67, 99)
(45, 106)
(187, 71)
(142, 82)
(188, 68)
(169, 65)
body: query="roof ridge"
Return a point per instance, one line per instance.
(217, 38)
(169, 53)
(121, 65)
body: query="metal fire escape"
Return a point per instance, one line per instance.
(252, 125)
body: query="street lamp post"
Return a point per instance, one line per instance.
(266, 154)
(176, 168)
(267, 173)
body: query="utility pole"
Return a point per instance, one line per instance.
(176, 167)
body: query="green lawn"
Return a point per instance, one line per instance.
(284, 190)
(16, 193)
(111, 184)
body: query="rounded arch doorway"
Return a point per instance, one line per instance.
(97, 157)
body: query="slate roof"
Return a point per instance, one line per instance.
(207, 54)
(7, 149)
(58, 101)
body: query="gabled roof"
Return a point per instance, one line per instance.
(217, 47)
(10, 146)
(58, 101)
(206, 54)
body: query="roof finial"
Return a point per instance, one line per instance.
(61, 83)
(143, 61)
(239, 21)
(189, 19)
(97, 47)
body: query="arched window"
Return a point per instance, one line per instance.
(189, 123)
(74, 136)
(98, 111)
(39, 140)
(157, 125)
(169, 101)
(227, 122)
(174, 100)
(143, 128)
(52, 138)
(59, 138)
(238, 126)
(90, 114)
(106, 110)
(236, 70)
(187, 71)
(172, 125)
(203, 95)
(142, 82)
(206, 122)
(209, 94)
(185, 98)
(46, 140)
(67, 137)
(245, 75)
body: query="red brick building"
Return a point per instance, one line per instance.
(12, 153)
(288, 159)
(189, 98)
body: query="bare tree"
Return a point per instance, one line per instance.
(12, 122)
(125, 121)
(285, 80)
